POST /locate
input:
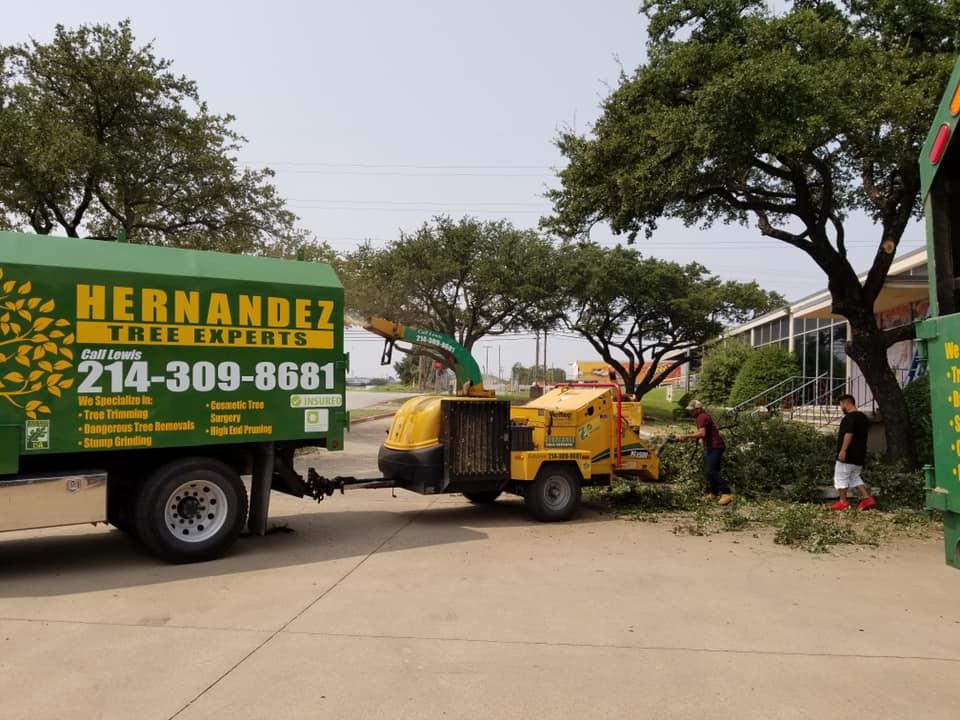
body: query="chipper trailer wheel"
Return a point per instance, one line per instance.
(555, 494)
(191, 510)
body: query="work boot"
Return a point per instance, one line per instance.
(867, 503)
(725, 499)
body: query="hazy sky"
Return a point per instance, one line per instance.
(379, 115)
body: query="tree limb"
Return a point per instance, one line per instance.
(766, 228)
(899, 334)
(771, 169)
(841, 234)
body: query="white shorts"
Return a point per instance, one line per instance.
(846, 475)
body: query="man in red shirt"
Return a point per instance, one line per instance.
(713, 446)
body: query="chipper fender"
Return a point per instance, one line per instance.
(526, 466)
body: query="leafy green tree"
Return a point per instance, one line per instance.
(407, 368)
(789, 120)
(719, 369)
(465, 278)
(98, 134)
(300, 247)
(527, 375)
(765, 367)
(636, 310)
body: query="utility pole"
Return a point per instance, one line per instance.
(486, 360)
(536, 362)
(546, 368)
(499, 364)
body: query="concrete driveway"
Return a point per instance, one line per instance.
(370, 606)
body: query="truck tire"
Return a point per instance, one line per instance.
(191, 510)
(482, 498)
(554, 495)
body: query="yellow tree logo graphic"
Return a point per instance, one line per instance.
(34, 348)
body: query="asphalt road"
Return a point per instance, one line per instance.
(357, 399)
(373, 606)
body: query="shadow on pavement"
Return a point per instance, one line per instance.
(508, 511)
(62, 564)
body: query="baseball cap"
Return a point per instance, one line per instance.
(695, 405)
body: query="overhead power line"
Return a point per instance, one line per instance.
(423, 174)
(426, 209)
(498, 203)
(394, 166)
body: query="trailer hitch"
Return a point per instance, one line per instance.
(320, 487)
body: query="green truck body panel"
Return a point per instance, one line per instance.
(111, 346)
(939, 335)
(928, 171)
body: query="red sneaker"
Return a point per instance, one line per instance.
(867, 503)
(839, 505)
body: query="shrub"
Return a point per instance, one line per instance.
(686, 398)
(917, 395)
(719, 371)
(681, 465)
(764, 368)
(895, 486)
(775, 458)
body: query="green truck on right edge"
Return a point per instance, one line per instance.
(939, 334)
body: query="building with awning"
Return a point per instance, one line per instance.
(810, 329)
(590, 371)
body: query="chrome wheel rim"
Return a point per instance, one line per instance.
(195, 511)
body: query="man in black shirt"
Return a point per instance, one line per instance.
(851, 454)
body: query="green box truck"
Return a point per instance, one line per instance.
(137, 385)
(940, 333)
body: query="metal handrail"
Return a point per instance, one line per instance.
(810, 383)
(824, 403)
(751, 402)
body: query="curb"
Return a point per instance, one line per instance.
(371, 418)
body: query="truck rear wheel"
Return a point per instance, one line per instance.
(555, 494)
(191, 510)
(482, 498)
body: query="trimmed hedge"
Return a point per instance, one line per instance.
(721, 365)
(765, 367)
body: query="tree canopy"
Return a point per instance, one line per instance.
(466, 278)
(788, 120)
(98, 134)
(642, 315)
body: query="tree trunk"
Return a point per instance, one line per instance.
(868, 349)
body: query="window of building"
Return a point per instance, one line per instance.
(773, 332)
(821, 352)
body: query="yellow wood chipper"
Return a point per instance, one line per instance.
(573, 436)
